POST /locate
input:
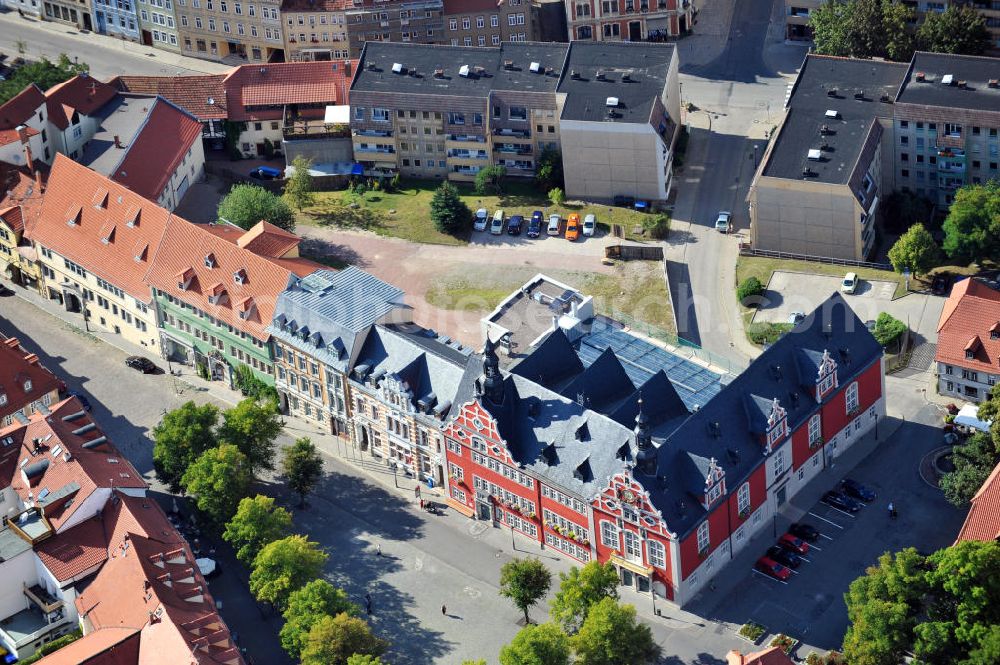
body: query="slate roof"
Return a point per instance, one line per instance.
(983, 521)
(18, 366)
(976, 71)
(807, 107)
(647, 65)
(969, 320)
(338, 307)
(82, 93)
(132, 225)
(191, 93)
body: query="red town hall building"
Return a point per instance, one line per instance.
(626, 474)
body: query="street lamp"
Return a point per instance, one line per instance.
(394, 480)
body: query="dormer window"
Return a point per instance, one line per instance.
(210, 260)
(3, 399)
(970, 354)
(777, 425)
(826, 378)
(240, 276)
(184, 279)
(715, 483)
(27, 385)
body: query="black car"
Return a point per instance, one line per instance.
(804, 531)
(84, 402)
(784, 557)
(856, 490)
(624, 201)
(941, 284)
(841, 501)
(144, 365)
(514, 225)
(535, 225)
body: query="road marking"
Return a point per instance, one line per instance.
(768, 577)
(823, 535)
(793, 571)
(842, 512)
(804, 559)
(825, 520)
(813, 547)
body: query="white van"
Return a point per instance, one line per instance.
(555, 224)
(496, 228)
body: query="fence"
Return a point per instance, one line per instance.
(634, 252)
(750, 251)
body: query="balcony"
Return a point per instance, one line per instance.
(466, 138)
(468, 154)
(513, 149)
(30, 625)
(951, 141)
(465, 170)
(45, 601)
(364, 148)
(377, 133)
(945, 152)
(507, 132)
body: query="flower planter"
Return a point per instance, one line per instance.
(752, 632)
(785, 643)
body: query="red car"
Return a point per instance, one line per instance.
(772, 568)
(790, 542)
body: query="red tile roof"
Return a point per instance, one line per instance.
(983, 520)
(114, 645)
(19, 368)
(770, 656)
(74, 552)
(191, 93)
(267, 239)
(969, 315)
(8, 136)
(21, 195)
(18, 109)
(132, 225)
(158, 149)
(83, 94)
(278, 84)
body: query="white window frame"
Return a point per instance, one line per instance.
(704, 540)
(609, 535)
(743, 499)
(815, 429)
(851, 398)
(631, 546)
(656, 554)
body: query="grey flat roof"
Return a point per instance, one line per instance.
(123, 116)
(811, 99)
(11, 544)
(646, 64)
(976, 71)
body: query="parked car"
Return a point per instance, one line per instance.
(555, 224)
(144, 365)
(4, 291)
(795, 318)
(804, 531)
(850, 283)
(515, 224)
(589, 224)
(573, 227)
(784, 556)
(535, 225)
(642, 206)
(496, 226)
(841, 501)
(264, 173)
(942, 284)
(724, 223)
(856, 490)
(624, 201)
(772, 568)
(481, 219)
(84, 402)
(790, 542)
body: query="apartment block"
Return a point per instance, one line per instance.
(414, 21)
(488, 22)
(447, 112)
(797, 12)
(158, 24)
(628, 20)
(315, 30)
(968, 349)
(117, 18)
(234, 31)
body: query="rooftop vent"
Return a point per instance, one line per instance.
(463, 71)
(962, 84)
(807, 172)
(994, 83)
(479, 70)
(815, 154)
(859, 95)
(832, 92)
(439, 73)
(920, 76)
(397, 68)
(573, 74)
(600, 76)
(830, 113)
(626, 77)
(947, 79)
(508, 64)
(611, 102)
(824, 130)
(885, 99)
(372, 66)
(535, 67)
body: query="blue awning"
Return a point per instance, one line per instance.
(357, 169)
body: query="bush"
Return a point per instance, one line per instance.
(888, 329)
(783, 642)
(658, 226)
(749, 288)
(751, 631)
(557, 196)
(52, 646)
(767, 333)
(831, 658)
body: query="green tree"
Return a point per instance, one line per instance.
(863, 29)
(299, 188)
(43, 73)
(253, 427)
(490, 177)
(333, 640)
(888, 328)
(246, 205)
(448, 212)
(915, 250)
(481, 661)
(557, 196)
(579, 590)
(958, 29)
(964, 597)
(611, 636)
(899, 42)
(830, 23)
(306, 606)
(525, 582)
(749, 289)
(974, 461)
(303, 467)
(972, 227)
(283, 566)
(218, 480)
(180, 437)
(249, 385)
(361, 659)
(550, 170)
(544, 644)
(256, 523)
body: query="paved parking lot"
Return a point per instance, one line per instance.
(584, 246)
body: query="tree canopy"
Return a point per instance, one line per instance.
(915, 250)
(974, 460)
(43, 73)
(580, 589)
(299, 187)
(333, 640)
(958, 29)
(525, 582)
(303, 467)
(256, 523)
(180, 437)
(283, 566)
(610, 635)
(490, 178)
(218, 480)
(863, 29)
(550, 170)
(972, 227)
(306, 606)
(544, 644)
(253, 427)
(245, 205)
(448, 212)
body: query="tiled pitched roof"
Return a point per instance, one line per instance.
(983, 520)
(21, 195)
(8, 136)
(191, 93)
(132, 225)
(970, 321)
(154, 154)
(74, 552)
(17, 368)
(18, 109)
(114, 645)
(83, 94)
(278, 84)
(267, 239)
(182, 257)
(771, 656)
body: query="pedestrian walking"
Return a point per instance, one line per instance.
(421, 504)
(444, 610)
(892, 510)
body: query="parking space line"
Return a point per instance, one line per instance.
(813, 547)
(768, 577)
(804, 559)
(793, 571)
(826, 520)
(842, 512)
(823, 535)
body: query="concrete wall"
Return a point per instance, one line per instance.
(14, 573)
(320, 151)
(602, 160)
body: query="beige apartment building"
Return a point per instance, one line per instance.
(628, 20)
(234, 31)
(408, 21)
(489, 22)
(315, 30)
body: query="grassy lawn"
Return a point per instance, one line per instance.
(762, 267)
(636, 289)
(405, 213)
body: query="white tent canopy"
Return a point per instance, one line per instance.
(337, 115)
(968, 416)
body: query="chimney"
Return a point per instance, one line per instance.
(22, 134)
(39, 187)
(118, 141)
(347, 68)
